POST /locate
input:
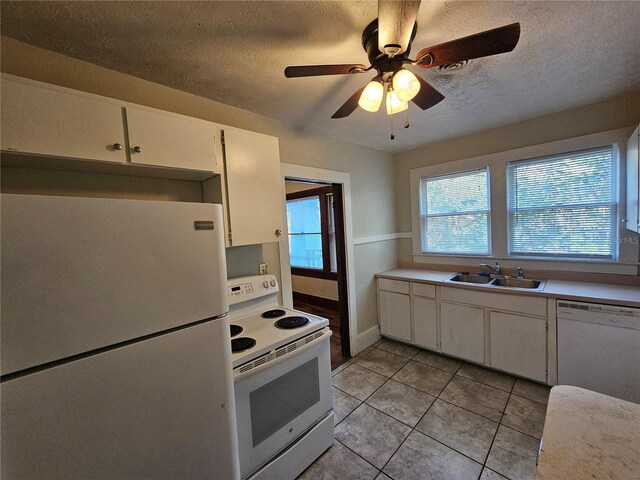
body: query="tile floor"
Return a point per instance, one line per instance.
(404, 414)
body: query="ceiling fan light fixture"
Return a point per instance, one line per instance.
(394, 104)
(405, 85)
(371, 97)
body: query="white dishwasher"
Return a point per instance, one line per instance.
(599, 348)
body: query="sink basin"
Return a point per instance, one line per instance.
(470, 278)
(517, 282)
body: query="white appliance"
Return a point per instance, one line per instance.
(282, 375)
(115, 341)
(599, 348)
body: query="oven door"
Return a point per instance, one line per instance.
(278, 401)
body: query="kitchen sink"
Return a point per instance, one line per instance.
(517, 282)
(508, 282)
(471, 278)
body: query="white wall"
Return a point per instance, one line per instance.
(371, 170)
(613, 114)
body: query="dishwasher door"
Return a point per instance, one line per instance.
(599, 348)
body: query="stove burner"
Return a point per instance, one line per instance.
(235, 330)
(242, 343)
(291, 322)
(275, 313)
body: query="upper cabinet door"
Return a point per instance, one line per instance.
(40, 121)
(254, 187)
(170, 140)
(633, 181)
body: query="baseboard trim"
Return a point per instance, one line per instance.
(366, 339)
(318, 301)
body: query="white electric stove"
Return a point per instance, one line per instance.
(282, 379)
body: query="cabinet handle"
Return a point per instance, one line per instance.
(117, 146)
(137, 149)
(278, 232)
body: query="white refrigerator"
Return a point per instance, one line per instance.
(115, 348)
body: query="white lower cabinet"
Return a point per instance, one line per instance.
(425, 322)
(519, 344)
(395, 314)
(462, 330)
(502, 330)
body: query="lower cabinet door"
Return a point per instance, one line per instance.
(519, 344)
(462, 331)
(395, 315)
(424, 322)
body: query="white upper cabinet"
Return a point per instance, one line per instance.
(46, 120)
(167, 140)
(255, 201)
(37, 120)
(633, 181)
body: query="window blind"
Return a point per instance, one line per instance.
(563, 205)
(454, 211)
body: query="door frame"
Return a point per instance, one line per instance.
(313, 174)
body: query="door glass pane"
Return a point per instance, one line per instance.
(305, 238)
(279, 402)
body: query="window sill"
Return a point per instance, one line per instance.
(308, 272)
(569, 265)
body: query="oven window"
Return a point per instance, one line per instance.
(277, 403)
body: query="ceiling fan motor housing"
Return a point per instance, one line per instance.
(381, 61)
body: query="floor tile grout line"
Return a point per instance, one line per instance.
(446, 401)
(413, 429)
(358, 455)
(484, 465)
(454, 374)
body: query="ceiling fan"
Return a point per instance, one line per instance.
(387, 41)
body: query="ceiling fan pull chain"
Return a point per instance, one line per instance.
(391, 121)
(406, 118)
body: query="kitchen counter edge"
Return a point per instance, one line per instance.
(622, 295)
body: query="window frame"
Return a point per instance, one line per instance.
(614, 220)
(628, 245)
(424, 216)
(325, 272)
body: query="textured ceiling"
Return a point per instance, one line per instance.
(570, 54)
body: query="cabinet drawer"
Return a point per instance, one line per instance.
(393, 285)
(499, 301)
(423, 290)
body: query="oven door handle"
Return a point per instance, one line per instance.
(269, 364)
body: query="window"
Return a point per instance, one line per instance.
(563, 205)
(454, 211)
(311, 233)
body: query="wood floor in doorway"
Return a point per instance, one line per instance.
(334, 323)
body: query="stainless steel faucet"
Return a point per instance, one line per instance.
(497, 270)
(519, 272)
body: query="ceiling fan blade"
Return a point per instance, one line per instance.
(350, 105)
(483, 44)
(314, 70)
(395, 23)
(428, 96)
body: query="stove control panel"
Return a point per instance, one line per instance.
(243, 289)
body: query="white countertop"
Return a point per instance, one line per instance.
(588, 435)
(581, 291)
